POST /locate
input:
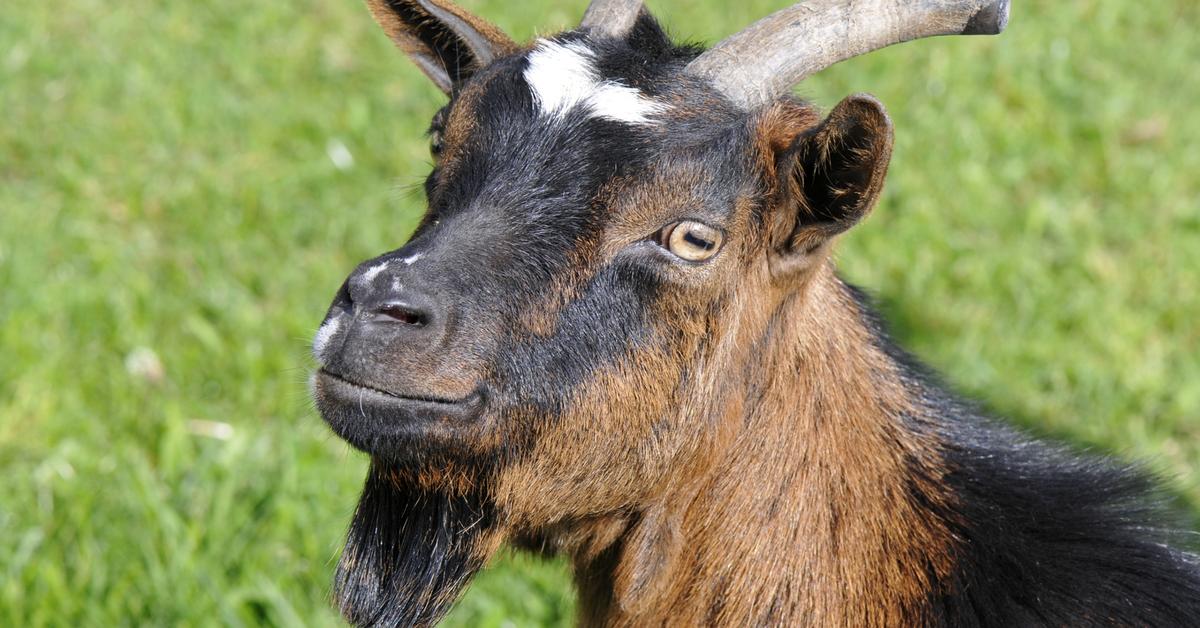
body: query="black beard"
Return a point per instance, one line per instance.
(409, 554)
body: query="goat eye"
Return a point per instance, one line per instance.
(435, 143)
(692, 241)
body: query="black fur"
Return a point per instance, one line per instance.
(1045, 537)
(1048, 537)
(408, 554)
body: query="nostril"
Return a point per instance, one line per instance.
(401, 313)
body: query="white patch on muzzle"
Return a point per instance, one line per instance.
(325, 333)
(371, 273)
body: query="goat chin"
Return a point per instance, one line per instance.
(409, 552)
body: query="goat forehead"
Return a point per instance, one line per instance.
(539, 145)
(537, 155)
(563, 76)
(575, 112)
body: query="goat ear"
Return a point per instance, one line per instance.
(831, 177)
(446, 42)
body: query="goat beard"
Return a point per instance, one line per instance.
(410, 551)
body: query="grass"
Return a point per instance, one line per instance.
(172, 227)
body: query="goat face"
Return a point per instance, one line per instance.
(604, 236)
(605, 242)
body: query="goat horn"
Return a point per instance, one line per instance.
(757, 65)
(613, 18)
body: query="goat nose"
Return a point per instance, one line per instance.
(402, 307)
(394, 300)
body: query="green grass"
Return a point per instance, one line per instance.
(167, 195)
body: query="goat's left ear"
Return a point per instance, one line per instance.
(447, 43)
(830, 178)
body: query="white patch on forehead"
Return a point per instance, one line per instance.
(408, 261)
(324, 334)
(563, 77)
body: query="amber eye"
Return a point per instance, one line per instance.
(692, 241)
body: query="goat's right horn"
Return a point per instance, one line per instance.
(757, 65)
(613, 18)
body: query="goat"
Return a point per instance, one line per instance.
(617, 336)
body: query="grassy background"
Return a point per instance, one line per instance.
(184, 185)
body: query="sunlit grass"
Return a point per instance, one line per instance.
(172, 226)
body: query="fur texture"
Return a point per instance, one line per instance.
(725, 441)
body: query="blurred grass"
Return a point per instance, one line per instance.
(172, 226)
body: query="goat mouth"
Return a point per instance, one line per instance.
(363, 415)
(428, 399)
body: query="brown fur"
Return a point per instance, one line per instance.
(809, 451)
(755, 471)
(793, 417)
(707, 423)
(785, 464)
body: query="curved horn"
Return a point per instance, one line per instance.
(613, 18)
(757, 65)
